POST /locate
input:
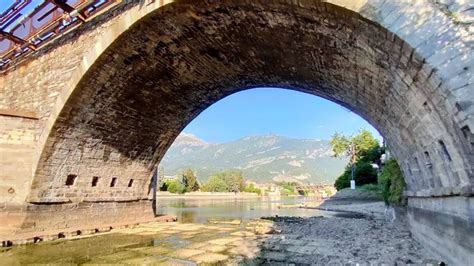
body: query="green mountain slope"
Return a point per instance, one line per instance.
(261, 158)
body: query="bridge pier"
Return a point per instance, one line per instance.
(22, 222)
(445, 225)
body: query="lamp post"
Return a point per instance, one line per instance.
(352, 153)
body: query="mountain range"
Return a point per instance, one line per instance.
(265, 158)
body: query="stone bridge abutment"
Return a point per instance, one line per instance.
(105, 101)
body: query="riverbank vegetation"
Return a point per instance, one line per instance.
(227, 182)
(230, 181)
(250, 188)
(186, 183)
(288, 188)
(392, 183)
(366, 153)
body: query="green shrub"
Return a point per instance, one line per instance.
(343, 181)
(371, 188)
(286, 192)
(174, 186)
(364, 174)
(252, 189)
(393, 184)
(288, 188)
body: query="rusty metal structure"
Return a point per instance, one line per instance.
(26, 25)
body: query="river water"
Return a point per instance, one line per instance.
(196, 210)
(189, 241)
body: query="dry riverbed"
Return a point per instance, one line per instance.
(171, 243)
(366, 237)
(369, 237)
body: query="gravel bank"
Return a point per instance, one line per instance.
(368, 239)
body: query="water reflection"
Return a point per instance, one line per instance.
(197, 210)
(170, 243)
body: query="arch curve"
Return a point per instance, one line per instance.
(170, 65)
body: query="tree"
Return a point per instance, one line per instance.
(230, 181)
(234, 180)
(359, 146)
(215, 184)
(363, 149)
(340, 144)
(288, 188)
(365, 143)
(189, 180)
(164, 186)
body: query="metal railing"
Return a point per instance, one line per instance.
(29, 24)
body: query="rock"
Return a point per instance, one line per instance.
(263, 230)
(233, 222)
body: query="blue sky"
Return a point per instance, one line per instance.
(274, 111)
(5, 4)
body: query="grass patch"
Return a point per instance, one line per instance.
(371, 189)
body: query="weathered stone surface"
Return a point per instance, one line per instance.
(186, 253)
(209, 257)
(444, 225)
(113, 95)
(390, 63)
(25, 220)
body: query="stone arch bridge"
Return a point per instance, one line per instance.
(85, 119)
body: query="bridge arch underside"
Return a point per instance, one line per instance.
(174, 63)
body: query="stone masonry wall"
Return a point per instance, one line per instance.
(112, 96)
(36, 84)
(436, 162)
(445, 225)
(46, 220)
(17, 145)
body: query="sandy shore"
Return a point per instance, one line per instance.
(369, 238)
